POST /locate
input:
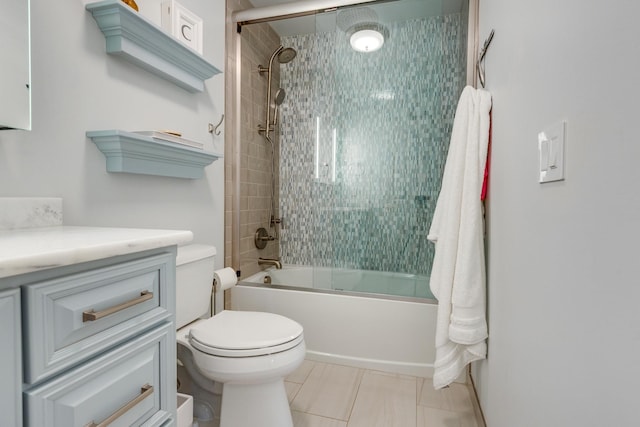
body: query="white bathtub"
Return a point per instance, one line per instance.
(393, 334)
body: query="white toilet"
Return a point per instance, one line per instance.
(250, 353)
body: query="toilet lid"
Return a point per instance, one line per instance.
(245, 334)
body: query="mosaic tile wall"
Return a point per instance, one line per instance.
(363, 141)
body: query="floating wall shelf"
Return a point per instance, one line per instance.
(134, 38)
(134, 153)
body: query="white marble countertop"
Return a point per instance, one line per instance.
(32, 249)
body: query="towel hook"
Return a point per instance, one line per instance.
(214, 128)
(483, 52)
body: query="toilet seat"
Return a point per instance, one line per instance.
(245, 334)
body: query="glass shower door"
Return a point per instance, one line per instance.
(386, 143)
(363, 141)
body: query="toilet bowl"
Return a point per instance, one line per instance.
(249, 353)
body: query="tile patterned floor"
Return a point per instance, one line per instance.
(325, 395)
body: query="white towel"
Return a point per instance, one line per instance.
(458, 272)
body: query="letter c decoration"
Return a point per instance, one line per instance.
(186, 31)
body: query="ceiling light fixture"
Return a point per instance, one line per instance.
(364, 32)
(366, 40)
(367, 37)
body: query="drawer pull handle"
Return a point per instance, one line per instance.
(145, 391)
(89, 316)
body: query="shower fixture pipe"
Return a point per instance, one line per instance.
(284, 56)
(268, 126)
(273, 179)
(291, 9)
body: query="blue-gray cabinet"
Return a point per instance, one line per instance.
(10, 359)
(98, 342)
(60, 312)
(129, 377)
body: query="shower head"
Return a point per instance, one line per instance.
(279, 98)
(287, 55)
(283, 55)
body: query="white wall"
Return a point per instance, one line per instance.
(77, 87)
(564, 289)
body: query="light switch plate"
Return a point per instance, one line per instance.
(551, 152)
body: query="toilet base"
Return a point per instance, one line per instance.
(264, 405)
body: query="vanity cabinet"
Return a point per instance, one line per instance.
(74, 317)
(98, 343)
(10, 359)
(126, 384)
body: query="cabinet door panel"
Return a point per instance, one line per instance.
(74, 317)
(100, 388)
(10, 359)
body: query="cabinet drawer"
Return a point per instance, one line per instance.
(72, 318)
(132, 385)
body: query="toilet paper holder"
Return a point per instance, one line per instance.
(223, 279)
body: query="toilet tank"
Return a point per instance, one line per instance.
(194, 282)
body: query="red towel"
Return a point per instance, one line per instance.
(485, 182)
